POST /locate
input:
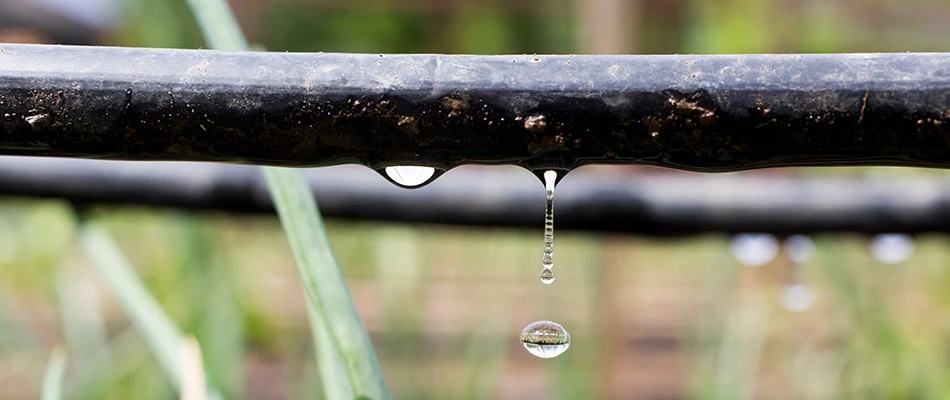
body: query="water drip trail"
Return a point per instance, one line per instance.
(547, 339)
(547, 259)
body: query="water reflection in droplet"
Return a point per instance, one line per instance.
(545, 339)
(410, 176)
(547, 276)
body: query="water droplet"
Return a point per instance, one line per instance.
(560, 171)
(800, 248)
(892, 248)
(754, 249)
(547, 259)
(798, 297)
(410, 176)
(547, 276)
(545, 339)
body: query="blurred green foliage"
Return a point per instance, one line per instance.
(292, 29)
(444, 306)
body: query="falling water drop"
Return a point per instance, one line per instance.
(547, 259)
(798, 297)
(545, 339)
(547, 276)
(754, 249)
(410, 176)
(892, 248)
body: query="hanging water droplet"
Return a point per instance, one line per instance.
(547, 276)
(754, 249)
(545, 339)
(410, 176)
(892, 248)
(800, 248)
(798, 297)
(561, 172)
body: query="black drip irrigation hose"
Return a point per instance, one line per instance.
(693, 112)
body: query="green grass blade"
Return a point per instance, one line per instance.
(84, 327)
(159, 331)
(193, 381)
(218, 25)
(346, 342)
(324, 283)
(80, 313)
(336, 384)
(53, 379)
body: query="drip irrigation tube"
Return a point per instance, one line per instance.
(693, 112)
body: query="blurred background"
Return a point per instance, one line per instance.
(704, 317)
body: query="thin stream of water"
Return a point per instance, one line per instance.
(547, 259)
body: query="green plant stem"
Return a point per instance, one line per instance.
(336, 324)
(333, 374)
(53, 379)
(218, 25)
(159, 331)
(324, 283)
